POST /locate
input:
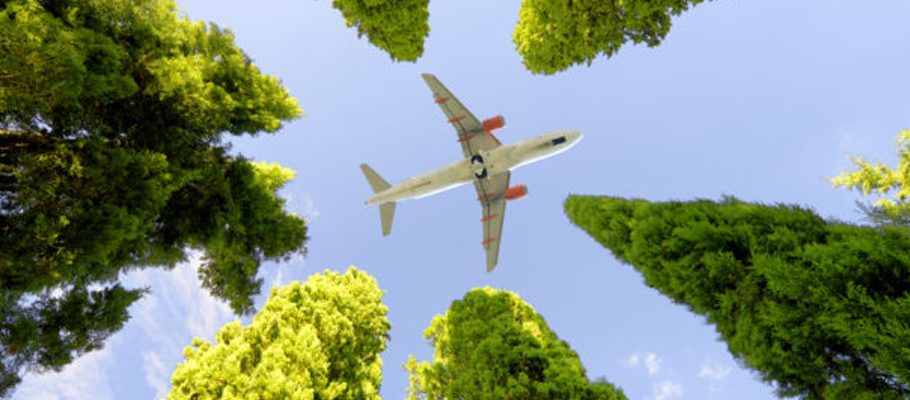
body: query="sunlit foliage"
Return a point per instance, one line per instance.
(111, 117)
(397, 26)
(869, 177)
(493, 345)
(553, 35)
(820, 309)
(317, 340)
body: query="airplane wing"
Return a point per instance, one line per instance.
(489, 192)
(471, 134)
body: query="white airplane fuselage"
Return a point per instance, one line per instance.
(484, 164)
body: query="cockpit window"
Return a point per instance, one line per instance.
(558, 141)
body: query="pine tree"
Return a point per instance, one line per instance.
(818, 308)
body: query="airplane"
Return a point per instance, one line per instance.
(487, 163)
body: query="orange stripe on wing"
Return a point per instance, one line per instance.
(488, 217)
(442, 99)
(488, 241)
(456, 119)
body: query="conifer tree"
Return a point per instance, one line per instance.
(320, 339)
(820, 309)
(493, 345)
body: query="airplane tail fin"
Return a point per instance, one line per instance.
(386, 210)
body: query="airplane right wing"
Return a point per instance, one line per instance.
(490, 193)
(471, 134)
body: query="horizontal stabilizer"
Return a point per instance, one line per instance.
(386, 213)
(376, 182)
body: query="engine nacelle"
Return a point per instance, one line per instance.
(515, 192)
(492, 124)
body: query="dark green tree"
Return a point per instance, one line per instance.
(493, 345)
(111, 158)
(818, 308)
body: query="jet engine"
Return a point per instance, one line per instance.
(492, 124)
(515, 192)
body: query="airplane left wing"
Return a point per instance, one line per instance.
(490, 193)
(471, 134)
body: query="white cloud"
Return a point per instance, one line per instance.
(310, 210)
(279, 275)
(714, 372)
(652, 363)
(650, 360)
(157, 375)
(84, 378)
(177, 310)
(667, 389)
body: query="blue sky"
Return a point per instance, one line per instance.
(756, 99)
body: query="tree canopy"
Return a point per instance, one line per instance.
(317, 340)
(550, 36)
(553, 35)
(493, 345)
(111, 158)
(818, 308)
(397, 26)
(875, 177)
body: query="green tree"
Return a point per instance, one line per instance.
(316, 340)
(818, 308)
(397, 26)
(869, 177)
(493, 345)
(111, 158)
(551, 35)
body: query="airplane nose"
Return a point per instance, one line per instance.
(574, 136)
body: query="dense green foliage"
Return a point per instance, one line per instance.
(820, 309)
(316, 340)
(551, 35)
(111, 117)
(879, 178)
(493, 345)
(397, 26)
(554, 35)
